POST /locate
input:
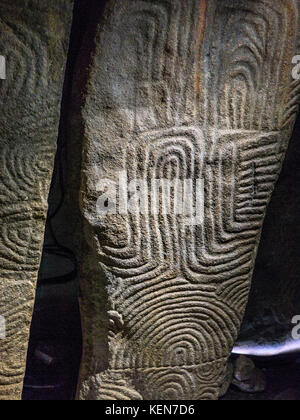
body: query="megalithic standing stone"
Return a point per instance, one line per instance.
(179, 89)
(34, 37)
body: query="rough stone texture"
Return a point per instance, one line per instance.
(204, 87)
(282, 375)
(275, 294)
(247, 377)
(34, 39)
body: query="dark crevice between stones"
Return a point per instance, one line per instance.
(275, 293)
(55, 346)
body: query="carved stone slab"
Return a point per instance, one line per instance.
(34, 38)
(180, 89)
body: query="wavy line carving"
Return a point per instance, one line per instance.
(220, 109)
(33, 40)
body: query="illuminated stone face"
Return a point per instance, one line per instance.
(33, 41)
(193, 89)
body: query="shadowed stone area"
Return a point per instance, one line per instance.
(283, 381)
(275, 294)
(198, 90)
(34, 37)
